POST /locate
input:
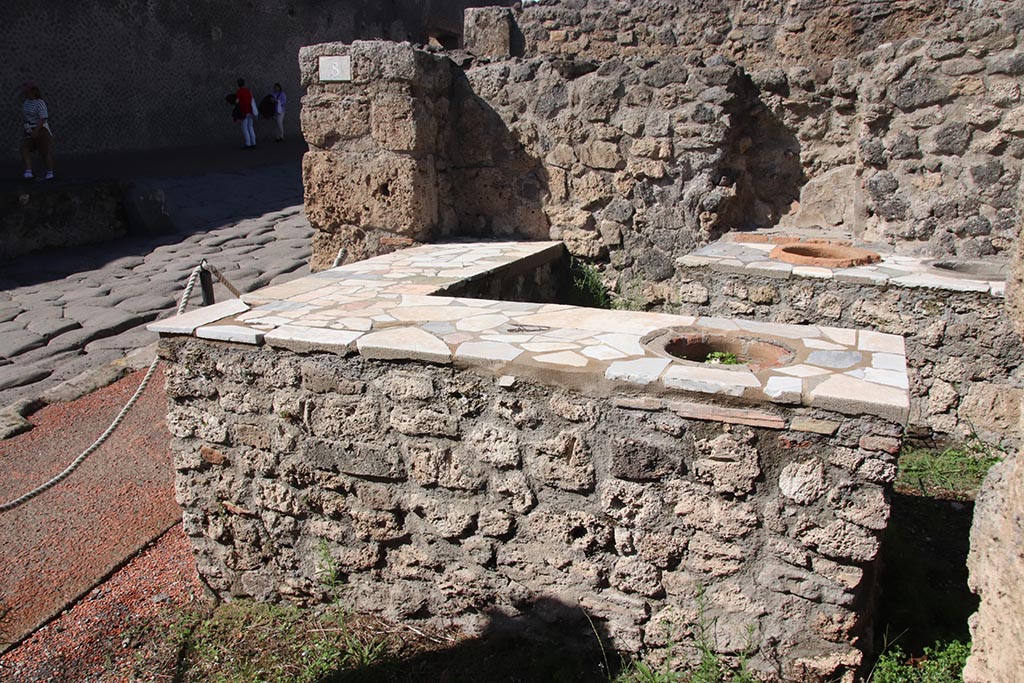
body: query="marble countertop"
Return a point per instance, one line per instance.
(748, 253)
(388, 307)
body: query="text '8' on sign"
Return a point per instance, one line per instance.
(335, 69)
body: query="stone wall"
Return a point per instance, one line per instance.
(144, 75)
(908, 111)
(635, 131)
(452, 496)
(965, 360)
(637, 160)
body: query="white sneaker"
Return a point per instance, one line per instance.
(48, 176)
(28, 175)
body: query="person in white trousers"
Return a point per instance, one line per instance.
(280, 99)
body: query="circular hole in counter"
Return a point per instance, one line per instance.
(981, 270)
(723, 350)
(824, 255)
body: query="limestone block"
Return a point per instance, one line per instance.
(329, 119)
(341, 417)
(730, 463)
(401, 123)
(842, 540)
(601, 154)
(374, 61)
(487, 31)
(631, 504)
(576, 529)
(633, 575)
(382, 190)
(495, 445)
(514, 486)
(564, 462)
(663, 550)
(991, 409)
(572, 408)
(803, 482)
(698, 508)
(818, 203)
(446, 519)
(413, 421)
(376, 525)
(403, 385)
(642, 459)
(713, 557)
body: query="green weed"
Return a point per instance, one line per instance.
(245, 641)
(954, 472)
(722, 358)
(943, 663)
(327, 569)
(588, 289)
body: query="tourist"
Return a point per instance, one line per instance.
(37, 134)
(246, 105)
(280, 99)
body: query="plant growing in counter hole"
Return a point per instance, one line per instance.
(722, 358)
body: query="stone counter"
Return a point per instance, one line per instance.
(963, 355)
(465, 461)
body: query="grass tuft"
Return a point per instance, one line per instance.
(943, 663)
(588, 289)
(955, 472)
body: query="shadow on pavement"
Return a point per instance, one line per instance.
(222, 192)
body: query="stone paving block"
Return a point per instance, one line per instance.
(135, 338)
(48, 328)
(109, 320)
(17, 375)
(8, 313)
(14, 342)
(147, 302)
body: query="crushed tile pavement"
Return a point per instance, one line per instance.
(72, 345)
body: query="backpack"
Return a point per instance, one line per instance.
(268, 107)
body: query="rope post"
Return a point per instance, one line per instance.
(206, 284)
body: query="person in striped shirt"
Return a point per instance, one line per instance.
(38, 137)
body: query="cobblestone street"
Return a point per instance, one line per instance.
(66, 312)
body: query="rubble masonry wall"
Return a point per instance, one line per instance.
(446, 495)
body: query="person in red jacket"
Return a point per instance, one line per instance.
(247, 107)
